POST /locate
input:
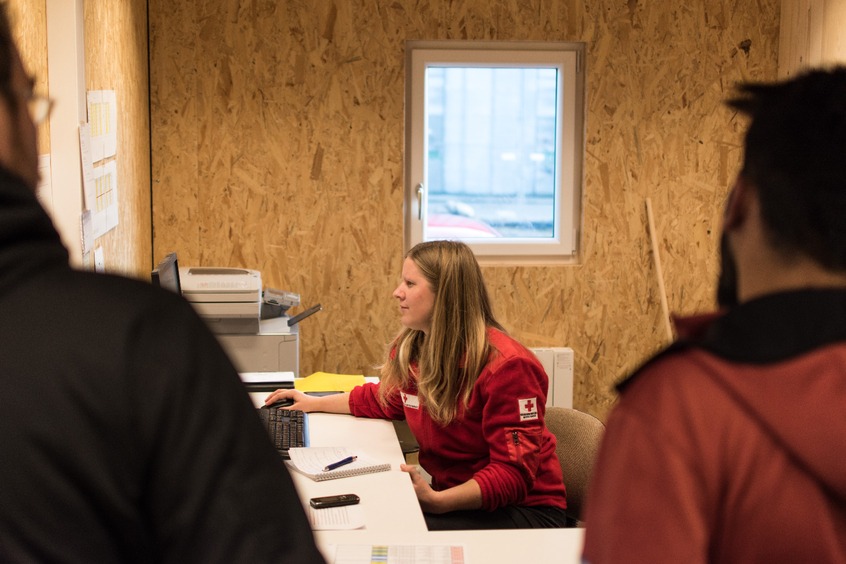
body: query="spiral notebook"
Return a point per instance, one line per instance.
(310, 461)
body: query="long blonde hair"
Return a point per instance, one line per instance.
(456, 349)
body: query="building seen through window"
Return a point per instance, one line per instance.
(491, 157)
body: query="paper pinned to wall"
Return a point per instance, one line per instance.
(104, 212)
(110, 129)
(95, 123)
(85, 154)
(99, 261)
(102, 121)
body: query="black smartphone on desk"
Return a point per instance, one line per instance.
(333, 501)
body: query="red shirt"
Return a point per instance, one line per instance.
(499, 439)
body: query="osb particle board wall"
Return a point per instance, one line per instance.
(116, 59)
(277, 135)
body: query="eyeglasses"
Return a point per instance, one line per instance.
(39, 107)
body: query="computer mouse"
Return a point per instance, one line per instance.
(284, 402)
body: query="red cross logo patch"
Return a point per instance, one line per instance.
(528, 409)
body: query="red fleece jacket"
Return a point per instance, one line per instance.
(499, 439)
(728, 447)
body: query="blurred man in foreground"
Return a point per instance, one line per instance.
(728, 446)
(125, 433)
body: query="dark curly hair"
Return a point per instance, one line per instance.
(795, 156)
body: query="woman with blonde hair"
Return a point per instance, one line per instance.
(473, 397)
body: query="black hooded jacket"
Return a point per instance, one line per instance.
(125, 433)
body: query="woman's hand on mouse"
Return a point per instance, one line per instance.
(335, 403)
(301, 401)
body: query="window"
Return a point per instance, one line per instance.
(495, 147)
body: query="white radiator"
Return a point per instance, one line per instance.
(558, 363)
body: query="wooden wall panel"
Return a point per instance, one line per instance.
(833, 44)
(29, 28)
(812, 34)
(278, 145)
(116, 59)
(801, 35)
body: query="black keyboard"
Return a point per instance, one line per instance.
(287, 428)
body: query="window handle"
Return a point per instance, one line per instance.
(420, 190)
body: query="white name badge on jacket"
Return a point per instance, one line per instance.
(410, 401)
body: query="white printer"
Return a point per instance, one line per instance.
(250, 324)
(228, 299)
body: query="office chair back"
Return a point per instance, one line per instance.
(578, 436)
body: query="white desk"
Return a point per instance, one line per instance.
(378, 491)
(377, 438)
(392, 513)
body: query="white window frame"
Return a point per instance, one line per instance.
(568, 58)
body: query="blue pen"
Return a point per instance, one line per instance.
(340, 463)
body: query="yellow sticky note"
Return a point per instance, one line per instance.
(325, 382)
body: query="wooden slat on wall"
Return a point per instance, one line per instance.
(801, 36)
(833, 48)
(813, 33)
(278, 145)
(116, 59)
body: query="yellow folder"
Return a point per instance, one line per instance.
(325, 382)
